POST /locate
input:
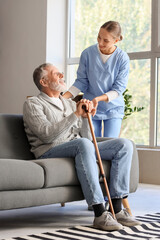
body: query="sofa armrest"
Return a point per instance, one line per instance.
(134, 174)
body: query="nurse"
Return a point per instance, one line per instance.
(102, 76)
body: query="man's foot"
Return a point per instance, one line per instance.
(124, 218)
(106, 222)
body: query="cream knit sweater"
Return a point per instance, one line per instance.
(47, 125)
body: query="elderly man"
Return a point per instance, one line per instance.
(58, 127)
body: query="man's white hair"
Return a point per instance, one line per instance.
(44, 71)
(39, 73)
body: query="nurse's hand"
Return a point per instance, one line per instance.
(95, 102)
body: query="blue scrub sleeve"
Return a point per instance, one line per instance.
(121, 80)
(82, 80)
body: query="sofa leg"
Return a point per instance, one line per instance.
(126, 205)
(62, 204)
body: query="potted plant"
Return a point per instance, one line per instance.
(128, 110)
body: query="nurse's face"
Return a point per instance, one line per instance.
(106, 41)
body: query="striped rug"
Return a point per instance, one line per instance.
(150, 229)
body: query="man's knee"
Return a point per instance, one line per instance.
(126, 144)
(85, 143)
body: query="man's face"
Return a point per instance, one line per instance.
(55, 79)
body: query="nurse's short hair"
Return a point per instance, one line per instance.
(39, 73)
(114, 28)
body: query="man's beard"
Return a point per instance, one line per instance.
(58, 87)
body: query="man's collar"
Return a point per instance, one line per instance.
(50, 99)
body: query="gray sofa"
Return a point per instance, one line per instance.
(26, 182)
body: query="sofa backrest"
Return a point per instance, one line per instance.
(13, 140)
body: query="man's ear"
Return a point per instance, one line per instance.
(43, 82)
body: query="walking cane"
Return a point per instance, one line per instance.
(99, 161)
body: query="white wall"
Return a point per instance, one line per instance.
(23, 27)
(28, 37)
(149, 166)
(56, 33)
(22, 48)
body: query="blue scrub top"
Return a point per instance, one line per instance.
(95, 78)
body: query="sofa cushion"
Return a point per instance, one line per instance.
(58, 171)
(20, 175)
(62, 172)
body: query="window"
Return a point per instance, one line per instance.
(140, 24)
(136, 126)
(71, 73)
(88, 16)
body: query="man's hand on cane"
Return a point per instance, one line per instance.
(88, 106)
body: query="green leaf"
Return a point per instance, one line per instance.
(128, 109)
